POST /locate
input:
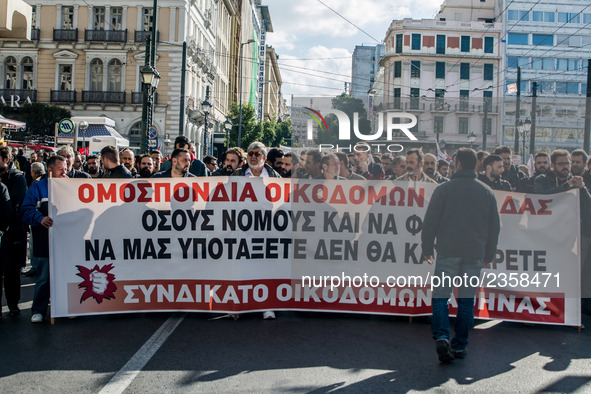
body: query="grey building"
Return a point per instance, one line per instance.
(365, 67)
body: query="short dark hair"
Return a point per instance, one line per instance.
(490, 160)
(315, 154)
(559, 153)
(397, 160)
(326, 158)
(502, 149)
(387, 156)
(416, 151)
(51, 161)
(580, 152)
(142, 157)
(5, 152)
(467, 158)
(155, 152)
(480, 154)
(110, 153)
(274, 154)
(181, 141)
(92, 157)
(209, 159)
(236, 151)
(541, 154)
(343, 157)
(176, 153)
(441, 163)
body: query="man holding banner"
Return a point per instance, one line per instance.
(463, 216)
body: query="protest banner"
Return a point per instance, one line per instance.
(239, 244)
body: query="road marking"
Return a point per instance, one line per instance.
(132, 368)
(28, 285)
(21, 306)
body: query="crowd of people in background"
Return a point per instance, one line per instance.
(23, 187)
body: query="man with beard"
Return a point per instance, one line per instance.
(510, 172)
(443, 168)
(256, 165)
(398, 166)
(344, 168)
(480, 156)
(275, 160)
(231, 160)
(78, 161)
(414, 167)
(313, 166)
(541, 166)
(181, 162)
(430, 168)
(579, 166)
(93, 166)
(128, 161)
(68, 153)
(386, 164)
(110, 159)
(493, 168)
(330, 168)
(288, 165)
(364, 165)
(157, 159)
(197, 167)
(146, 167)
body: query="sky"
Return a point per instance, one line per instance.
(315, 44)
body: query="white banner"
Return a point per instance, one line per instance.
(240, 244)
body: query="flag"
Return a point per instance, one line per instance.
(530, 164)
(441, 155)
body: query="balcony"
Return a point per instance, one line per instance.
(99, 97)
(69, 35)
(63, 96)
(105, 35)
(18, 95)
(140, 35)
(137, 98)
(35, 34)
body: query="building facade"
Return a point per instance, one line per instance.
(365, 66)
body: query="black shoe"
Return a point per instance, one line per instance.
(444, 351)
(30, 272)
(14, 312)
(458, 354)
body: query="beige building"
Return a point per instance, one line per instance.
(271, 95)
(15, 19)
(88, 57)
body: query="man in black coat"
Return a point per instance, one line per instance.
(113, 169)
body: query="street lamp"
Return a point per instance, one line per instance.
(206, 108)
(240, 90)
(228, 126)
(471, 138)
(83, 126)
(523, 128)
(150, 80)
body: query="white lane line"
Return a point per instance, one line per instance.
(132, 368)
(21, 306)
(28, 285)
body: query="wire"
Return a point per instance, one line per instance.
(357, 27)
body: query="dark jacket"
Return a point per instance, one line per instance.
(374, 171)
(222, 172)
(118, 172)
(526, 185)
(499, 184)
(272, 173)
(15, 182)
(33, 211)
(77, 174)
(437, 177)
(513, 176)
(463, 216)
(6, 212)
(548, 183)
(168, 174)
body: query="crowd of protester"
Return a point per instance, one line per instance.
(23, 187)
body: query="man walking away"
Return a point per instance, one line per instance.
(462, 218)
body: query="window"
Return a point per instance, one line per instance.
(439, 98)
(561, 87)
(396, 98)
(414, 98)
(489, 44)
(546, 87)
(573, 65)
(538, 16)
(10, 72)
(440, 70)
(523, 62)
(464, 100)
(548, 16)
(116, 18)
(513, 15)
(28, 67)
(148, 19)
(524, 86)
(398, 43)
(415, 69)
(440, 47)
(96, 75)
(65, 77)
(99, 18)
(583, 88)
(524, 16)
(114, 76)
(416, 42)
(543, 39)
(572, 88)
(487, 99)
(536, 63)
(488, 72)
(438, 124)
(511, 62)
(561, 64)
(547, 63)
(586, 18)
(68, 18)
(397, 69)
(569, 17)
(465, 46)
(517, 39)
(464, 70)
(34, 18)
(464, 124)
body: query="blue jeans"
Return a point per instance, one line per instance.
(454, 267)
(41, 296)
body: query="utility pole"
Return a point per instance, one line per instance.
(487, 102)
(532, 134)
(182, 106)
(517, 110)
(587, 134)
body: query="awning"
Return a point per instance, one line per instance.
(11, 124)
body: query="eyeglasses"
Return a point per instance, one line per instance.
(256, 154)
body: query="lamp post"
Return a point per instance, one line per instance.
(83, 126)
(471, 138)
(523, 128)
(228, 126)
(206, 108)
(150, 79)
(240, 90)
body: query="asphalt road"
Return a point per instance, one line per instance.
(297, 352)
